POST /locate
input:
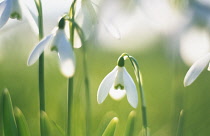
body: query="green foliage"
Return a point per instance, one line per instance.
(49, 128)
(10, 127)
(130, 124)
(110, 129)
(22, 125)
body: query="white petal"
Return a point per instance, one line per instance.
(117, 94)
(130, 89)
(16, 8)
(77, 41)
(119, 77)
(31, 18)
(112, 30)
(106, 85)
(37, 51)
(196, 69)
(6, 8)
(86, 18)
(66, 54)
(209, 67)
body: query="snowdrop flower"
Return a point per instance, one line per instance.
(88, 20)
(14, 9)
(118, 83)
(196, 69)
(58, 42)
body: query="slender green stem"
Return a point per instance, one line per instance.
(87, 93)
(141, 89)
(70, 103)
(41, 62)
(70, 80)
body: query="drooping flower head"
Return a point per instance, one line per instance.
(57, 41)
(9, 9)
(15, 9)
(118, 83)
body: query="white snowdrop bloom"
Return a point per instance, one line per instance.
(196, 69)
(118, 83)
(58, 42)
(14, 9)
(87, 19)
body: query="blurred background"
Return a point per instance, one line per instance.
(165, 36)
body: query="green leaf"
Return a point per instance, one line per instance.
(130, 124)
(50, 128)
(10, 127)
(110, 129)
(180, 124)
(22, 125)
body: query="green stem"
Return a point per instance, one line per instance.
(41, 62)
(70, 80)
(87, 93)
(70, 103)
(141, 89)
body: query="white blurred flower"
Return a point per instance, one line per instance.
(87, 18)
(14, 9)
(196, 69)
(118, 83)
(58, 42)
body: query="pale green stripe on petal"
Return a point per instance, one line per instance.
(196, 69)
(106, 85)
(130, 89)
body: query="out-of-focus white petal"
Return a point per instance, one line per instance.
(130, 89)
(31, 18)
(66, 54)
(209, 67)
(196, 69)
(117, 94)
(37, 51)
(86, 18)
(112, 30)
(106, 85)
(77, 40)
(6, 8)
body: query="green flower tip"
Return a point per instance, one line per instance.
(121, 62)
(16, 15)
(61, 23)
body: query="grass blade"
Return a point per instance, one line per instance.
(50, 128)
(110, 129)
(180, 124)
(130, 124)
(10, 127)
(22, 125)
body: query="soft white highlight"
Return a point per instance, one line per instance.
(118, 83)
(57, 41)
(196, 69)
